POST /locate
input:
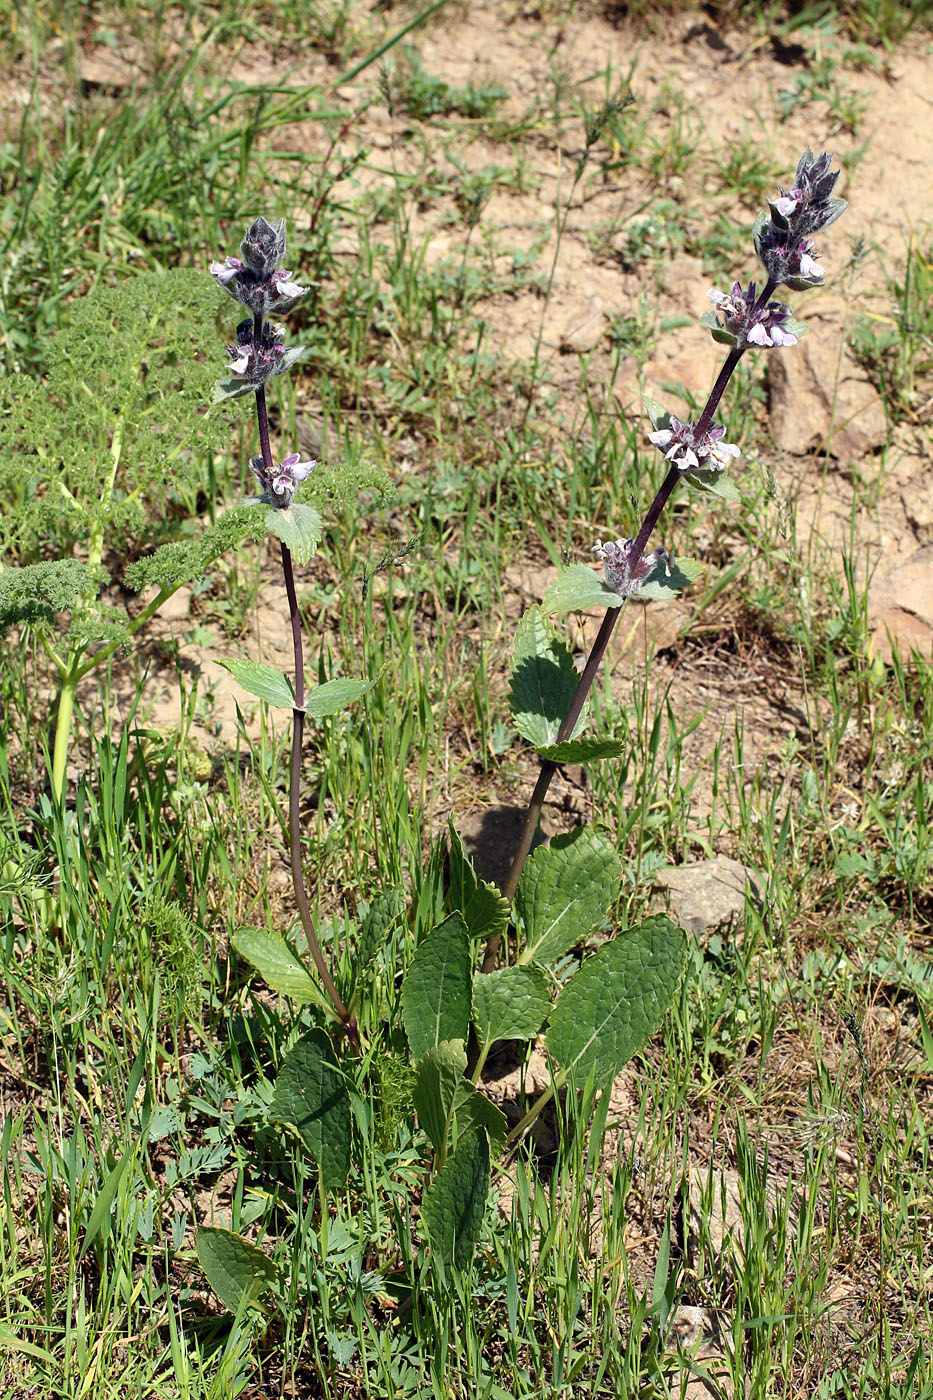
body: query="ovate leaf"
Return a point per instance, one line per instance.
(544, 680)
(485, 910)
(615, 1003)
(577, 588)
(436, 992)
(583, 750)
(310, 1096)
(670, 579)
(565, 891)
(455, 1202)
(279, 967)
(511, 1003)
(263, 681)
(237, 1271)
(473, 1110)
(299, 528)
(719, 483)
(437, 1076)
(333, 696)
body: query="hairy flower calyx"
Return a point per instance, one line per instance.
(624, 573)
(278, 486)
(750, 325)
(255, 280)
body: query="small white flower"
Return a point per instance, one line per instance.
(809, 267)
(788, 203)
(758, 335)
(241, 363)
(661, 438)
(781, 337)
(226, 271)
(720, 454)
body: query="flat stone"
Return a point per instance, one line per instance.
(900, 606)
(708, 895)
(821, 399)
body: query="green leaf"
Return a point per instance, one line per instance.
(511, 1003)
(659, 415)
(615, 1003)
(711, 322)
(436, 995)
(99, 1222)
(473, 1110)
(583, 750)
(577, 588)
(544, 680)
(333, 696)
(565, 891)
(298, 527)
(279, 967)
(666, 581)
(455, 1202)
(436, 1079)
(310, 1095)
(485, 910)
(718, 483)
(237, 1271)
(263, 681)
(385, 910)
(231, 388)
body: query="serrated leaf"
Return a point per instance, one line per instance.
(334, 696)
(298, 527)
(669, 580)
(576, 588)
(511, 1003)
(544, 680)
(437, 1076)
(615, 1003)
(265, 682)
(717, 482)
(385, 910)
(484, 908)
(583, 750)
(472, 1110)
(436, 996)
(455, 1203)
(231, 388)
(310, 1096)
(659, 415)
(565, 890)
(278, 966)
(237, 1271)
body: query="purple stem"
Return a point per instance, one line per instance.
(594, 660)
(298, 720)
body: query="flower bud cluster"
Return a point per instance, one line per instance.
(256, 365)
(682, 447)
(254, 280)
(278, 486)
(783, 240)
(625, 574)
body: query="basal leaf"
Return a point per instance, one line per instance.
(385, 910)
(263, 681)
(565, 890)
(299, 528)
(436, 991)
(237, 1271)
(472, 1110)
(455, 1203)
(511, 1003)
(436, 1079)
(577, 588)
(279, 967)
(485, 910)
(310, 1095)
(610, 1009)
(583, 750)
(544, 680)
(333, 696)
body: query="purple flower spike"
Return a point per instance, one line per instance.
(263, 246)
(255, 280)
(622, 575)
(278, 486)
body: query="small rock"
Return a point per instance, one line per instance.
(900, 605)
(820, 397)
(708, 895)
(683, 281)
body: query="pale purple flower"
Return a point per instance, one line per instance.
(809, 267)
(278, 486)
(226, 271)
(749, 323)
(788, 203)
(623, 575)
(280, 280)
(679, 444)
